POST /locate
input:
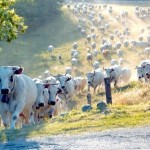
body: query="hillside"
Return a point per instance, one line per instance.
(130, 99)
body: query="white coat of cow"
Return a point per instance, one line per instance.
(18, 94)
(67, 85)
(79, 83)
(125, 74)
(146, 69)
(114, 73)
(95, 79)
(140, 70)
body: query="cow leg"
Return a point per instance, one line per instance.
(95, 90)
(115, 84)
(15, 115)
(5, 119)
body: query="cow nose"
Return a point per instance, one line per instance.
(63, 87)
(41, 104)
(4, 91)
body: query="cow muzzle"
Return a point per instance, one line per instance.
(41, 104)
(4, 91)
(63, 87)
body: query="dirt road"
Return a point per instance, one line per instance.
(129, 138)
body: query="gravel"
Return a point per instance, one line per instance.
(122, 138)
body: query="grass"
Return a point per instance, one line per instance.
(131, 105)
(76, 122)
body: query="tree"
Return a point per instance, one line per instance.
(10, 23)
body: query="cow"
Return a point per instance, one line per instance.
(50, 49)
(79, 83)
(95, 79)
(66, 84)
(52, 101)
(18, 94)
(68, 70)
(89, 58)
(140, 70)
(146, 69)
(125, 74)
(114, 73)
(40, 93)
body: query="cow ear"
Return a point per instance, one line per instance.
(59, 91)
(46, 85)
(18, 70)
(68, 79)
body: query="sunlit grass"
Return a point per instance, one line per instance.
(77, 122)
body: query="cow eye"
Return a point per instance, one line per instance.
(11, 79)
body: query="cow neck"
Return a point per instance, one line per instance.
(93, 76)
(13, 86)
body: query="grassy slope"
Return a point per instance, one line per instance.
(30, 51)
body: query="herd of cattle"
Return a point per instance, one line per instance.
(31, 100)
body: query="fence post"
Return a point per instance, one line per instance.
(89, 98)
(108, 90)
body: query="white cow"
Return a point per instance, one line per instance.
(68, 70)
(40, 93)
(114, 73)
(79, 83)
(46, 74)
(113, 62)
(140, 70)
(125, 74)
(18, 94)
(50, 49)
(96, 65)
(67, 85)
(52, 102)
(74, 62)
(95, 79)
(147, 51)
(146, 69)
(50, 79)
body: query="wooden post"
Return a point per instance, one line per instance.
(89, 98)
(108, 90)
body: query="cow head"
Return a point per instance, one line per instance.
(109, 72)
(53, 90)
(42, 94)
(90, 77)
(63, 80)
(7, 78)
(140, 72)
(146, 69)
